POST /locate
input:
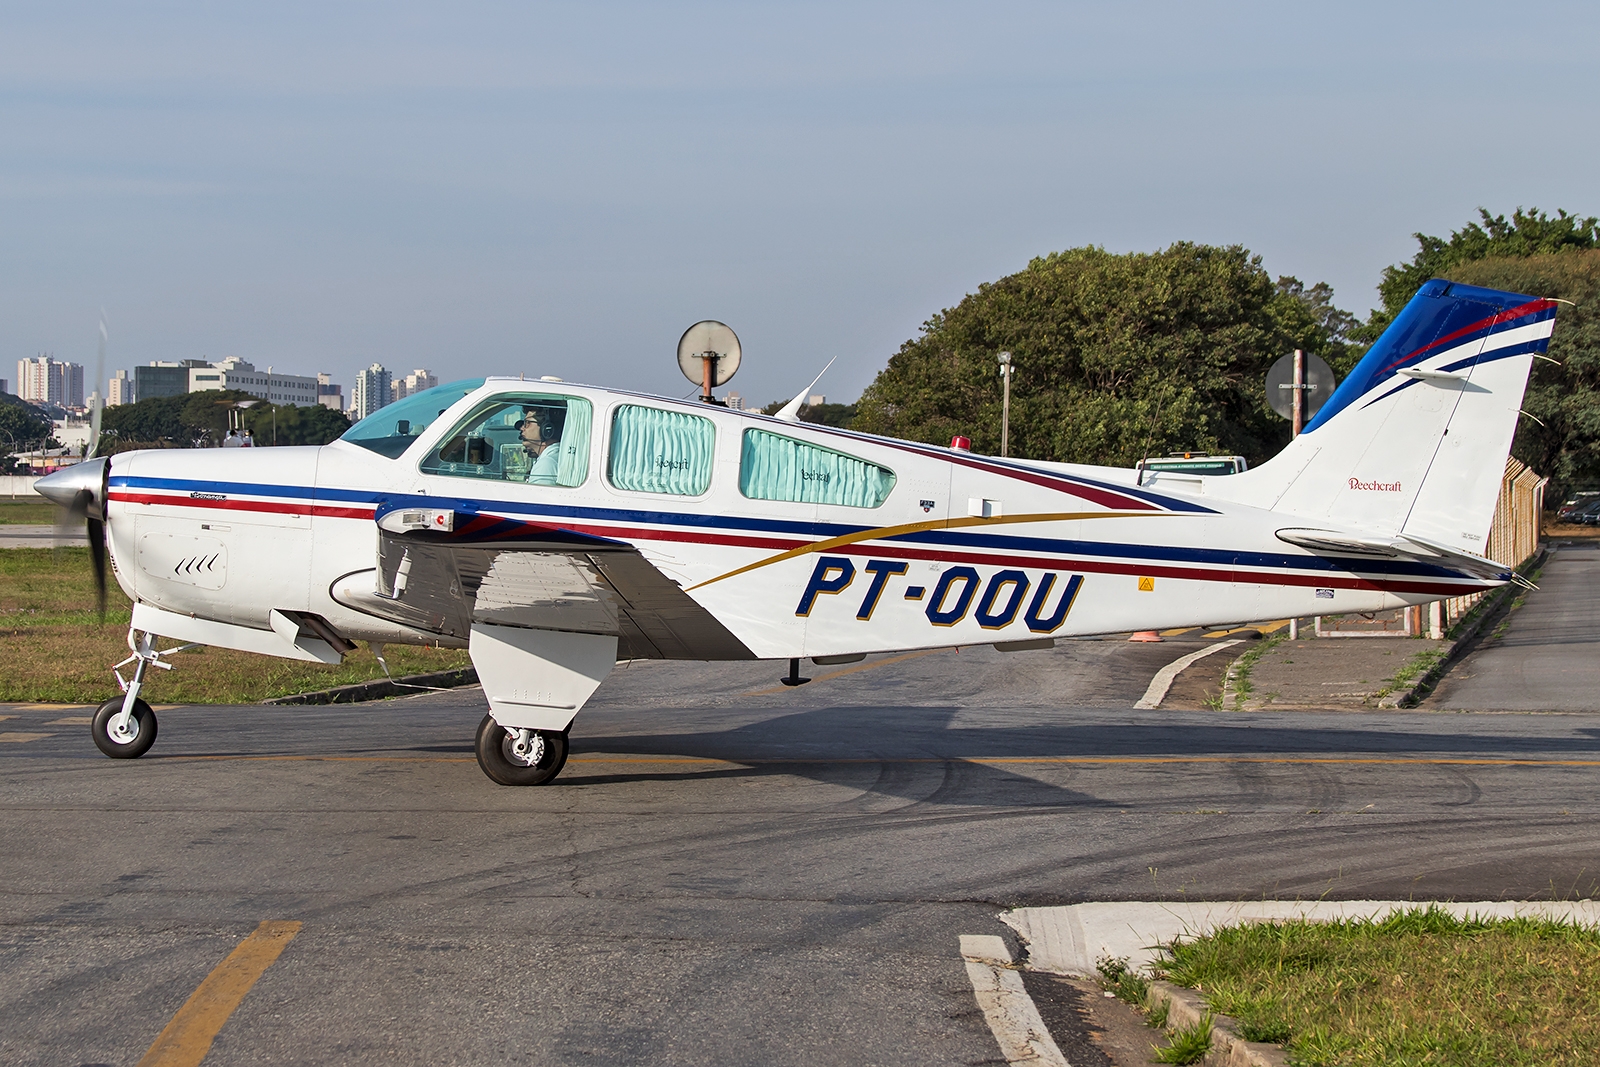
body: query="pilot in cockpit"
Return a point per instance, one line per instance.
(541, 439)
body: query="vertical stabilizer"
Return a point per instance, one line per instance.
(1415, 439)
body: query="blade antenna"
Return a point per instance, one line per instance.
(790, 412)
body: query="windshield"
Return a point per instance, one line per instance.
(389, 431)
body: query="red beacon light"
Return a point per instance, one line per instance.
(963, 443)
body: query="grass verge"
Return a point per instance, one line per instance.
(1238, 678)
(30, 510)
(61, 652)
(1417, 987)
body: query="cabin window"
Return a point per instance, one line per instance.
(772, 467)
(534, 438)
(656, 451)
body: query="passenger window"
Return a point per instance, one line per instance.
(534, 438)
(780, 468)
(656, 451)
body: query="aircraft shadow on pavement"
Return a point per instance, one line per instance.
(917, 753)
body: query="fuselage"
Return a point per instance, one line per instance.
(801, 540)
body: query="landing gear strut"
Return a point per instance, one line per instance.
(125, 726)
(520, 756)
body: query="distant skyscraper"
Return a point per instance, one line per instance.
(734, 401)
(415, 382)
(328, 394)
(373, 391)
(5, 386)
(50, 381)
(119, 389)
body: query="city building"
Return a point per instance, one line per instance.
(374, 389)
(328, 394)
(734, 401)
(415, 382)
(165, 378)
(235, 373)
(119, 390)
(50, 381)
(5, 386)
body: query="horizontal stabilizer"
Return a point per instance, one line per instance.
(1404, 546)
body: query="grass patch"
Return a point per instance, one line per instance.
(61, 651)
(1240, 671)
(1187, 1044)
(29, 510)
(1412, 669)
(1118, 978)
(1417, 987)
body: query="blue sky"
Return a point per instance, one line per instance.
(563, 188)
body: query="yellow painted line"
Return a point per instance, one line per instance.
(187, 1038)
(326, 759)
(1176, 631)
(74, 720)
(885, 532)
(1271, 627)
(17, 738)
(849, 670)
(50, 707)
(3, 718)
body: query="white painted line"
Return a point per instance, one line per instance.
(1071, 940)
(1164, 678)
(1011, 1013)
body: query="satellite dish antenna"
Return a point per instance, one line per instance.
(708, 355)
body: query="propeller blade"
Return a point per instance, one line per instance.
(96, 530)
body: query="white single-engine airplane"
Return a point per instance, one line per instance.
(552, 529)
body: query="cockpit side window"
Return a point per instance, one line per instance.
(535, 438)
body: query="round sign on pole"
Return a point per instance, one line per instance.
(709, 339)
(1318, 385)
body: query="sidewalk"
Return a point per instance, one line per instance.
(1333, 672)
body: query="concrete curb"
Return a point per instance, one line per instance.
(1495, 606)
(1185, 1008)
(386, 687)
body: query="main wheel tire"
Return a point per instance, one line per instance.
(141, 733)
(501, 764)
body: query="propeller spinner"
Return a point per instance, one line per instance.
(81, 490)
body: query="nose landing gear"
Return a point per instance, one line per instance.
(520, 756)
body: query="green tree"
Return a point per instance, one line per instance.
(1115, 356)
(311, 425)
(22, 427)
(1526, 233)
(1562, 438)
(152, 423)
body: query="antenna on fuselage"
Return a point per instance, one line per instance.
(790, 412)
(708, 355)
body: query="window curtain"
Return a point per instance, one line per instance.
(780, 468)
(573, 466)
(656, 451)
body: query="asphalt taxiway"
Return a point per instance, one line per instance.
(729, 871)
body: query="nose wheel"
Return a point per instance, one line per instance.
(520, 756)
(124, 736)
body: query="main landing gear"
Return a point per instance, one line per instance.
(520, 756)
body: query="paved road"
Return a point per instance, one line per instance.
(1548, 654)
(42, 536)
(728, 872)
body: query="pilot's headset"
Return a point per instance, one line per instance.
(551, 418)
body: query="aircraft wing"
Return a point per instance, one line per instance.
(1402, 546)
(445, 572)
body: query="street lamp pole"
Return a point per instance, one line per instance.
(1005, 405)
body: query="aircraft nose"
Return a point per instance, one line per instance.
(64, 485)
